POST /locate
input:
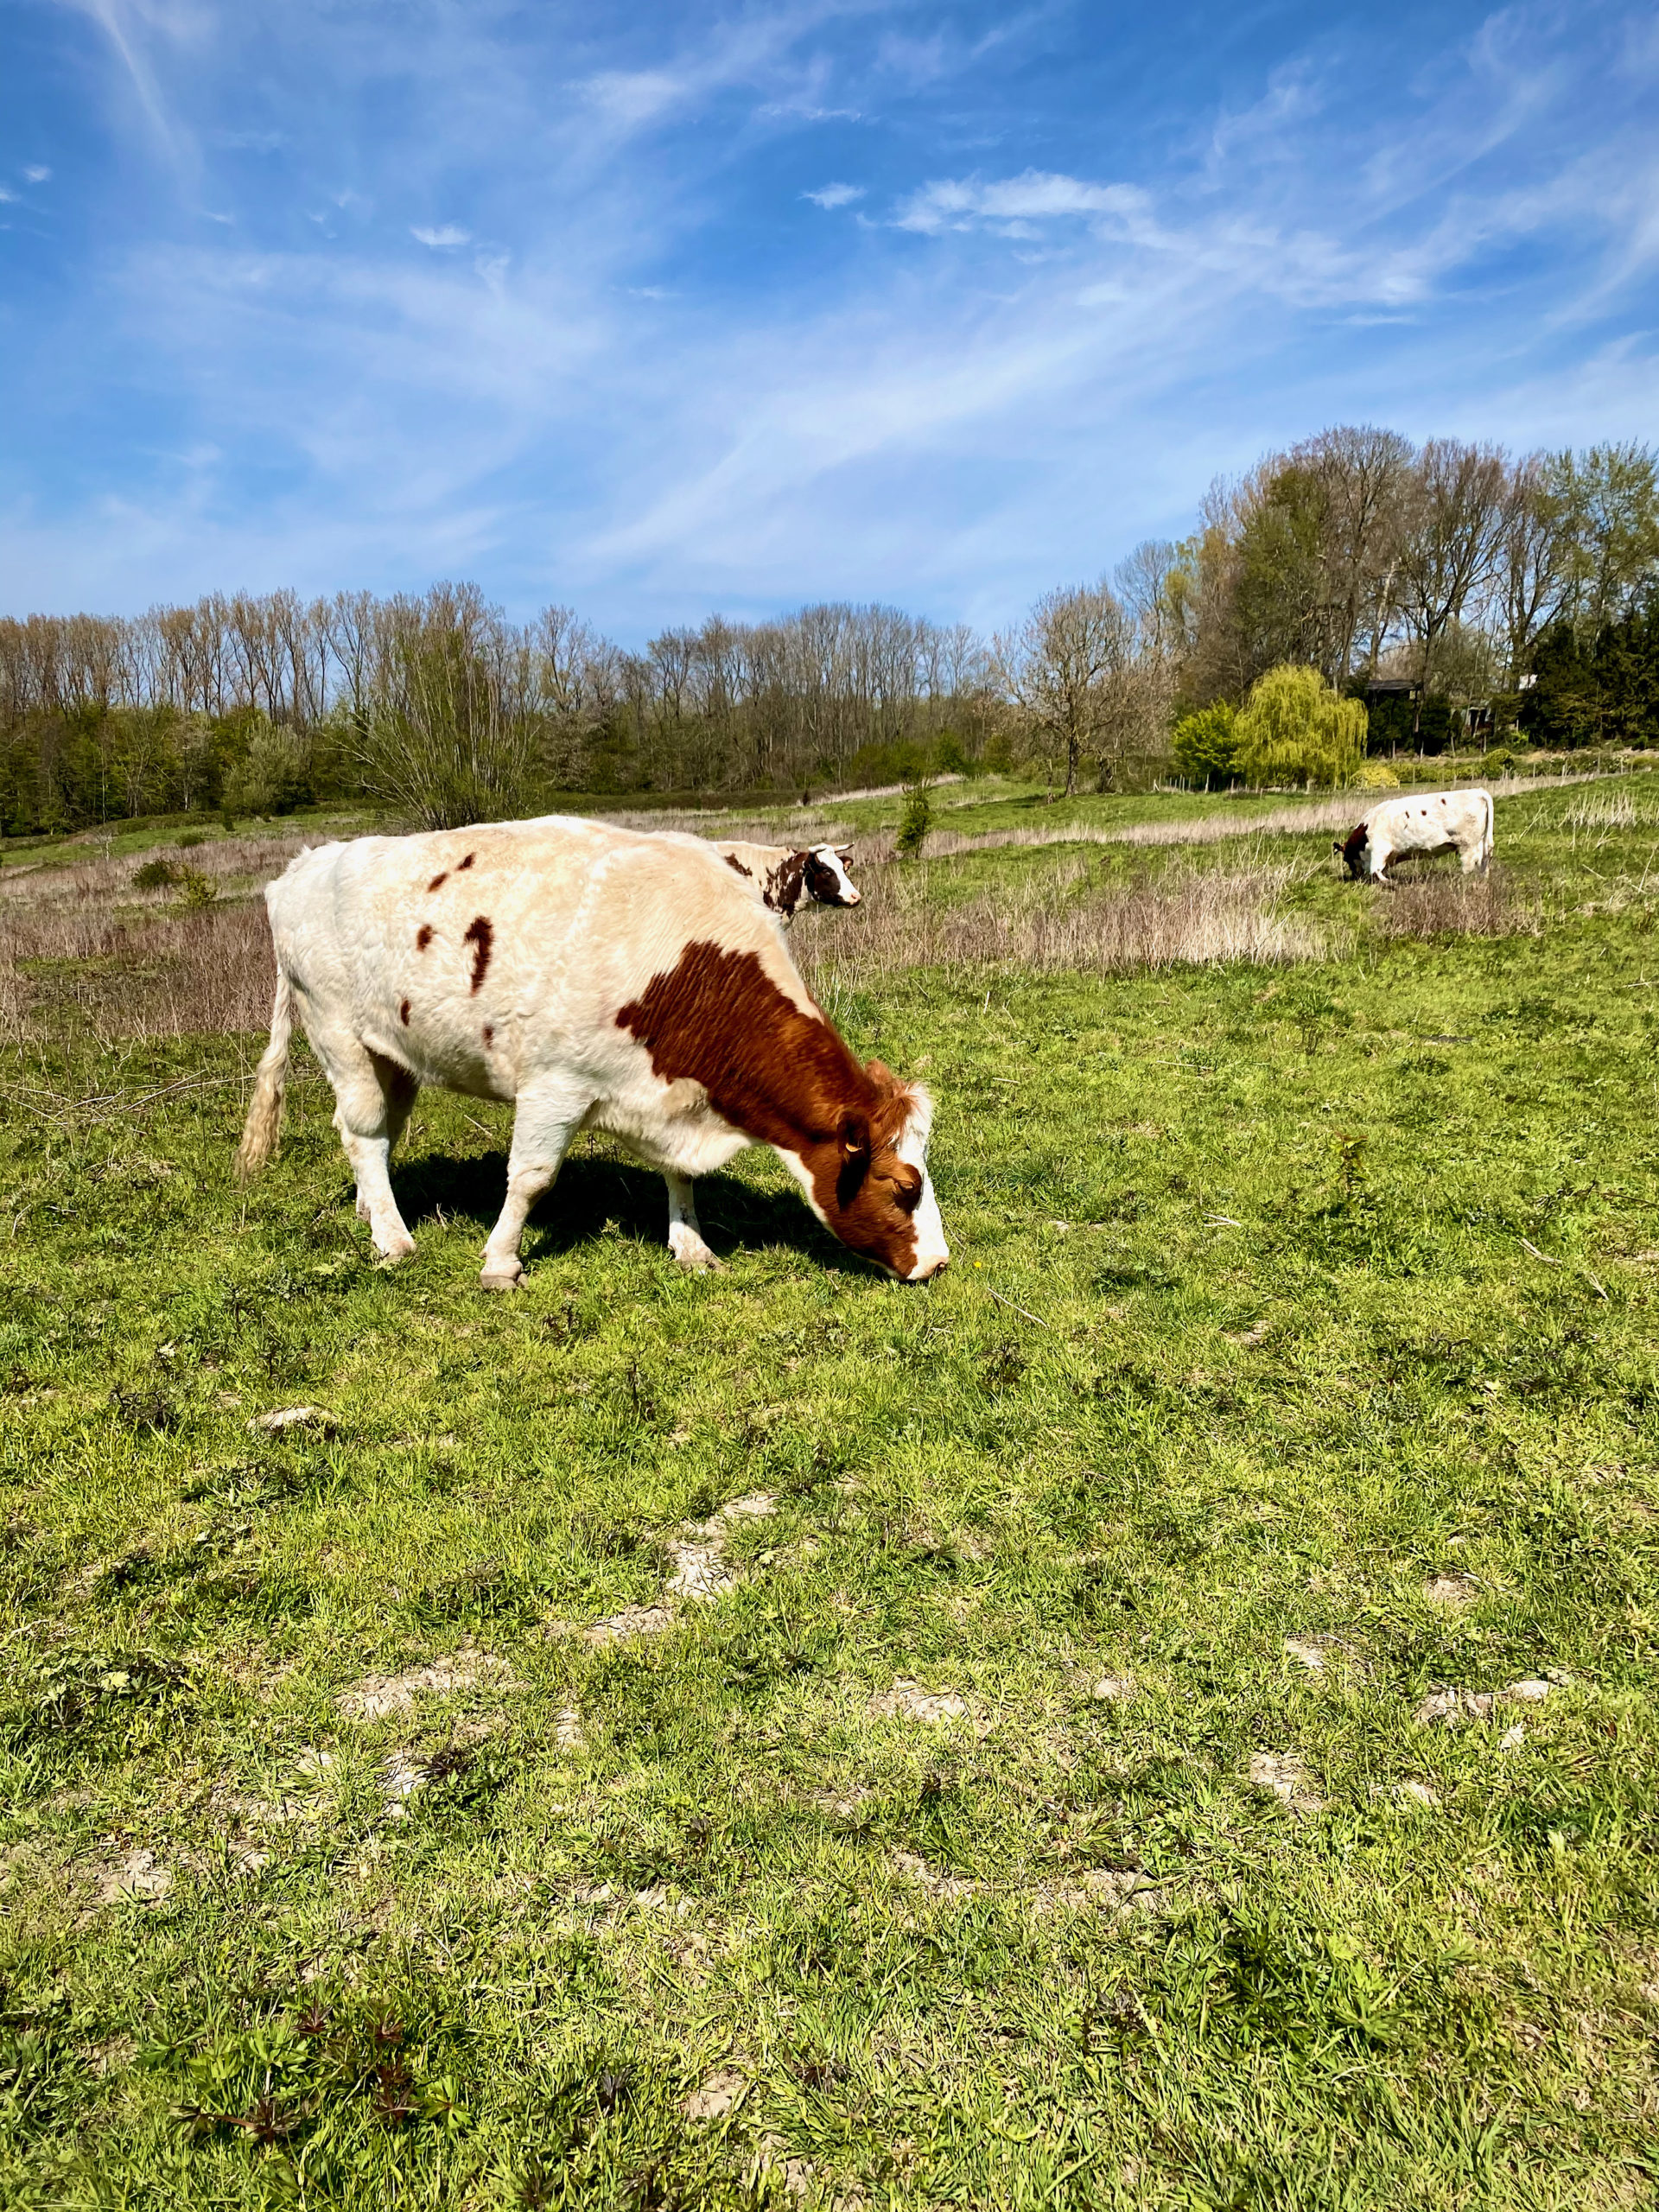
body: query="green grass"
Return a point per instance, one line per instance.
(1280, 1298)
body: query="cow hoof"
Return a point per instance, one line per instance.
(511, 1278)
(401, 1249)
(694, 1255)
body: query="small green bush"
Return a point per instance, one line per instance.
(1206, 747)
(1294, 728)
(196, 890)
(154, 873)
(190, 839)
(915, 822)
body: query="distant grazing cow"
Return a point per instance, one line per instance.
(1459, 821)
(602, 979)
(785, 877)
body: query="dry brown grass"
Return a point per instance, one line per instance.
(785, 827)
(160, 973)
(1185, 918)
(1341, 811)
(1439, 904)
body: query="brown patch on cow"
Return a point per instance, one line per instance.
(489, 1035)
(732, 861)
(439, 880)
(403, 1014)
(1357, 841)
(462, 865)
(480, 933)
(783, 890)
(781, 1074)
(422, 937)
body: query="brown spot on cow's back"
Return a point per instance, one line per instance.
(403, 1014)
(480, 935)
(439, 880)
(779, 1072)
(489, 1035)
(733, 862)
(461, 865)
(783, 890)
(422, 937)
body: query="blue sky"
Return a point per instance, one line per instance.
(661, 308)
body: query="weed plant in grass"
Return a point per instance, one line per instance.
(1163, 1717)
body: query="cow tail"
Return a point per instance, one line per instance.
(264, 1121)
(1490, 843)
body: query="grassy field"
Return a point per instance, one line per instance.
(1164, 1716)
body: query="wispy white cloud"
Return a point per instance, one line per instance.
(38, 173)
(1036, 195)
(441, 235)
(835, 195)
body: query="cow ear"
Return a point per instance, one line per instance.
(855, 1136)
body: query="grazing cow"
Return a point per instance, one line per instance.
(786, 877)
(601, 979)
(1459, 821)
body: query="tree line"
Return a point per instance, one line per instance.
(1424, 581)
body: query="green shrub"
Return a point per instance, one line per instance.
(915, 822)
(1206, 747)
(190, 839)
(154, 873)
(196, 890)
(1294, 728)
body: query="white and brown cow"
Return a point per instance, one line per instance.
(786, 877)
(1443, 822)
(601, 979)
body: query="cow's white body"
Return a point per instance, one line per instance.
(563, 964)
(1459, 821)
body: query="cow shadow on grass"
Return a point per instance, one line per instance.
(595, 1194)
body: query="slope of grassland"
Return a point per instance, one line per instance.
(1163, 1717)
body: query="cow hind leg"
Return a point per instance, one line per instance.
(685, 1239)
(372, 1097)
(543, 1127)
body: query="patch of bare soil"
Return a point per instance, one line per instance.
(1452, 1707)
(908, 1700)
(698, 1572)
(377, 1695)
(136, 1878)
(720, 2093)
(914, 1868)
(1284, 1775)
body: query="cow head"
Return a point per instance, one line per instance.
(1352, 849)
(871, 1183)
(827, 879)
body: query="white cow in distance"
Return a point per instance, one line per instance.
(1443, 822)
(600, 978)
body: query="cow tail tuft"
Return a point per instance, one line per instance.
(264, 1121)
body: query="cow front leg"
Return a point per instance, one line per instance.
(542, 1129)
(684, 1230)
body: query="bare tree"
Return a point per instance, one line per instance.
(1451, 545)
(1537, 560)
(1066, 666)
